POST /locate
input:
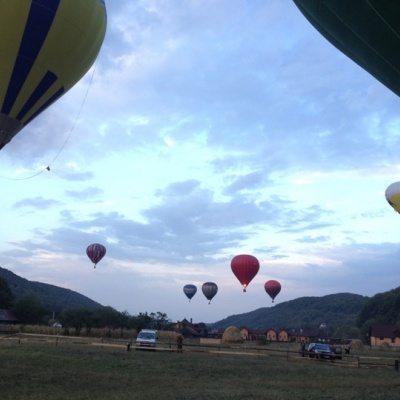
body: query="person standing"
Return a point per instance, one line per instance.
(179, 343)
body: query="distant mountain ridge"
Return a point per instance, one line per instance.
(334, 310)
(52, 298)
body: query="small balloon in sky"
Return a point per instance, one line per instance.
(272, 288)
(190, 291)
(209, 290)
(96, 252)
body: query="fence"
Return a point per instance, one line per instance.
(210, 347)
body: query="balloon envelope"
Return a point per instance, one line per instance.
(46, 46)
(190, 291)
(245, 267)
(392, 195)
(272, 288)
(209, 290)
(95, 252)
(366, 31)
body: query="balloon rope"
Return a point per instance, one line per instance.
(67, 138)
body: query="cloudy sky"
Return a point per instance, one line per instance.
(207, 129)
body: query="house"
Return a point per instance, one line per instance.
(283, 335)
(384, 334)
(188, 329)
(307, 335)
(8, 321)
(271, 335)
(247, 334)
(7, 317)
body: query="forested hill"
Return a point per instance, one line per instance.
(52, 298)
(335, 310)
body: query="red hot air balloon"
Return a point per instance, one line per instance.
(245, 268)
(190, 291)
(209, 289)
(95, 252)
(272, 288)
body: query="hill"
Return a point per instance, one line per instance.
(52, 298)
(334, 310)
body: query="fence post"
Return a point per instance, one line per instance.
(57, 341)
(396, 365)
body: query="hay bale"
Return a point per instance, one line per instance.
(356, 344)
(384, 346)
(232, 335)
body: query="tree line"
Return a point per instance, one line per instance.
(30, 311)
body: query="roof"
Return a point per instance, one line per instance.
(7, 316)
(385, 331)
(298, 332)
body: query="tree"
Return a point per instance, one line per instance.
(6, 296)
(77, 318)
(29, 310)
(142, 321)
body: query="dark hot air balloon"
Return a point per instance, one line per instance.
(366, 31)
(272, 288)
(95, 252)
(245, 267)
(46, 46)
(209, 289)
(190, 291)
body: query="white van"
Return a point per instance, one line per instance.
(147, 338)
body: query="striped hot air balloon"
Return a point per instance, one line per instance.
(46, 47)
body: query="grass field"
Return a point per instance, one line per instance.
(32, 370)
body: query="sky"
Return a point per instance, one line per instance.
(204, 130)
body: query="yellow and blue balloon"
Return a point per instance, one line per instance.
(392, 195)
(46, 47)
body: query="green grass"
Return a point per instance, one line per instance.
(33, 371)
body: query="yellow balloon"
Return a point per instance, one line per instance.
(392, 195)
(46, 47)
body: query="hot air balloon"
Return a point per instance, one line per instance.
(95, 252)
(46, 46)
(245, 268)
(272, 288)
(392, 195)
(209, 289)
(366, 31)
(190, 291)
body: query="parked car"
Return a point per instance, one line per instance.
(320, 350)
(147, 338)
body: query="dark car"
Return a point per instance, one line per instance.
(320, 350)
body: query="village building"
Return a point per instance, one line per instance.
(388, 335)
(189, 330)
(7, 317)
(299, 335)
(8, 321)
(271, 335)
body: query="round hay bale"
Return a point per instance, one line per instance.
(232, 335)
(384, 346)
(356, 344)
